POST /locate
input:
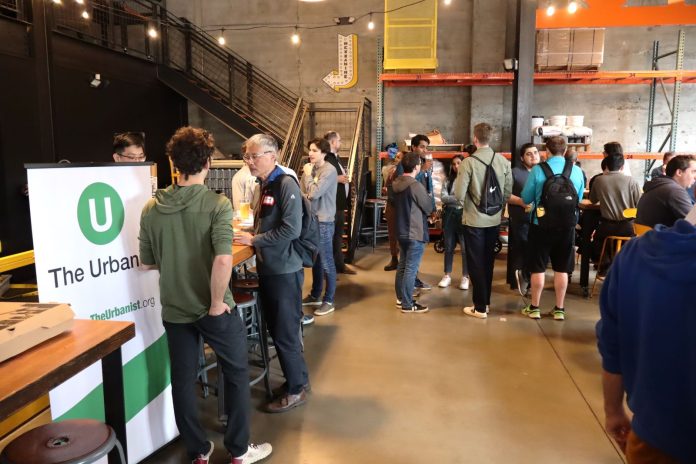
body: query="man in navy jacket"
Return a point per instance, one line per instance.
(647, 339)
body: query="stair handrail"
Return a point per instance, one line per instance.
(358, 151)
(292, 139)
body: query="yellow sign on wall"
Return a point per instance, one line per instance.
(346, 76)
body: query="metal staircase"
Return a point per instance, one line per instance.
(190, 61)
(354, 122)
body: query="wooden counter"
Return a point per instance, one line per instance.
(241, 253)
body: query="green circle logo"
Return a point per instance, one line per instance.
(100, 213)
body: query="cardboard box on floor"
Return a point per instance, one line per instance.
(569, 49)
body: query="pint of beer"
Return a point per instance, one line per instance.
(244, 211)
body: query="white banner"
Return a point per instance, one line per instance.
(85, 223)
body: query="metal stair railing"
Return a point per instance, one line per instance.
(127, 26)
(359, 153)
(293, 152)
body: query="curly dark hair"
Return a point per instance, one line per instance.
(189, 149)
(322, 144)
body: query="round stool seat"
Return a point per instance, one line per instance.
(77, 440)
(245, 285)
(244, 299)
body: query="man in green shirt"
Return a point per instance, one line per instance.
(481, 229)
(186, 233)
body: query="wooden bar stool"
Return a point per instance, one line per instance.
(75, 441)
(618, 241)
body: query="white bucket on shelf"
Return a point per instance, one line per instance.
(537, 121)
(558, 121)
(576, 121)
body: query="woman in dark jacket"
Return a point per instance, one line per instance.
(452, 227)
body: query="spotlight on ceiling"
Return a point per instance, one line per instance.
(572, 7)
(448, 2)
(85, 15)
(551, 10)
(152, 32)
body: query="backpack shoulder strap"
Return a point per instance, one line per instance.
(567, 169)
(547, 169)
(479, 160)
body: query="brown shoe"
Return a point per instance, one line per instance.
(287, 402)
(348, 270)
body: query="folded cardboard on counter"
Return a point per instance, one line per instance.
(25, 325)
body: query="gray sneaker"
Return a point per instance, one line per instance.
(324, 309)
(522, 282)
(307, 319)
(309, 300)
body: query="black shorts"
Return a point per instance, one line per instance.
(558, 245)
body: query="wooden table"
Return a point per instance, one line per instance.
(33, 373)
(241, 253)
(588, 223)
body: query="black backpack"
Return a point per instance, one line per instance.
(307, 244)
(559, 199)
(491, 195)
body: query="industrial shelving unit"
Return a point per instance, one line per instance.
(652, 77)
(676, 94)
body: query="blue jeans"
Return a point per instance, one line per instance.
(453, 231)
(409, 261)
(324, 266)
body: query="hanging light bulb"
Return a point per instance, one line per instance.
(85, 15)
(371, 24)
(152, 32)
(550, 10)
(295, 39)
(221, 39)
(572, 7)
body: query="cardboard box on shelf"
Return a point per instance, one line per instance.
(569, 49)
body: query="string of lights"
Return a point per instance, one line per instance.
(296, 28)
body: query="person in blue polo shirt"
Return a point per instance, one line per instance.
(550, 242)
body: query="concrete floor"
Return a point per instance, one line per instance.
(439, 387)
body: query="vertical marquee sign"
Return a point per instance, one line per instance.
(347, 74)
(85, 221)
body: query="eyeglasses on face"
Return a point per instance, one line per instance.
(134, 158)
(254, 156)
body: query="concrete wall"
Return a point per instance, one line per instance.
(473, 36)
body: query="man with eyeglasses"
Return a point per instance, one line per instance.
(129, 147)
(277, 222)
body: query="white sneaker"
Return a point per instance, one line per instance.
(470, 311)
(445, 282)
(254, 453)
(464, 284)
